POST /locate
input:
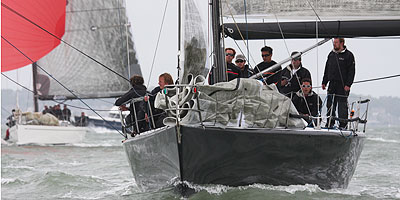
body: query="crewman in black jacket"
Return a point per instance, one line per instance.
(245, 70)
(272, 76)
(306, 101)
(232, 70)
(292, 75)
(137, 90)
(339, 73)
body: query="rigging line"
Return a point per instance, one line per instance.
(16, 82)
(240, 32)
(372, 79)
(52, 99)
(316, 14)
(62, 85)
(89, 10)
(280, 29)
(30, 21)
(247, 28)
(6, 110)
(158, 41)
(376, 79)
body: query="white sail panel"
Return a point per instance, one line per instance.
(194, 43)
(99, 29)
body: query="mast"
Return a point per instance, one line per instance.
(179, 39)
(219, 68)
(35, 94)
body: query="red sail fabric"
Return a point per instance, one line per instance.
(24, 35)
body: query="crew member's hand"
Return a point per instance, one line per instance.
(284, 82)
(146, 117)
(346, 88)
(123, 108)
(323, 86)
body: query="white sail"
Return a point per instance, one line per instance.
(99, 29)
(193, 41)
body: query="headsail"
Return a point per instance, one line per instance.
(99, 29)
(18, 31)
(194, 43)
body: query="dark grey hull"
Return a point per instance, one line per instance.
(236, 157)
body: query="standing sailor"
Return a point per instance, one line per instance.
(339, 73)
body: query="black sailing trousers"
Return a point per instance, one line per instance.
(338, 96)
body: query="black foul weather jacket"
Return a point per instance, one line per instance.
(294, 80)
(340, 68)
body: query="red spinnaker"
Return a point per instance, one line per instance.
(26, 36)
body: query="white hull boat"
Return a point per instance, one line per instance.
(39, 134)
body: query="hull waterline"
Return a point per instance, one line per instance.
(237, 157)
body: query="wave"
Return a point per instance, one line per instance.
(18, 167)
(6, 181)
(115, 144)
(102, 130)
(221, 189)
(383, 140)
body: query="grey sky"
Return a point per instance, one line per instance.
(374, 57)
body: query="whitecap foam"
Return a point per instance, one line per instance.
(383, 140)
(96, 145)
(102, 130)
(291, 189)
(5, 181)
(18, 167)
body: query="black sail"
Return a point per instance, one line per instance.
(326, 29)
(297, 19)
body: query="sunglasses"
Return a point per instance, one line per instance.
(229, 54)
(306, 86)
(265, 55)
(239, 61)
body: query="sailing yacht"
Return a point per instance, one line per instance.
(243, 132)
(80, 50)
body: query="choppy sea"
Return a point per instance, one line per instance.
(98, 169)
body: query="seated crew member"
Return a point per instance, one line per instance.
(306, 100)
(10, 123)
(137, 90)
(83, 120)
(292, 75)
(232, 70)
(158, 114)
(245, 70)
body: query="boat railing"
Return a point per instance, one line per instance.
(358, 114)
(134, 118)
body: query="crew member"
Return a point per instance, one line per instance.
(339, 73)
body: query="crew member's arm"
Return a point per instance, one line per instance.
(350, 74)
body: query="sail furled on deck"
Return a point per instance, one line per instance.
(21, 32)
(193, 41)
(99, 29)
(297, 18)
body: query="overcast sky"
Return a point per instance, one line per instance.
(374, 57)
